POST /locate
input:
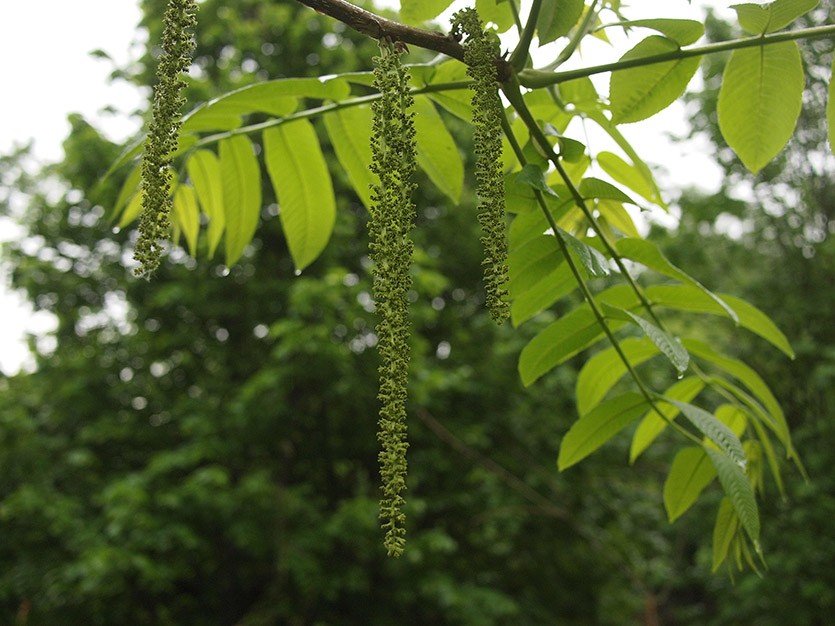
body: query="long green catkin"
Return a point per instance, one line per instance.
(480, 53)
(392, 219)
(163, 133)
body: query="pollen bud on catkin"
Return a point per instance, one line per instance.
(391, 220)
(480, 53)
(163, 133)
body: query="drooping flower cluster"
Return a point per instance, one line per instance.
(480, 53)
(163, 133)
(392, 219)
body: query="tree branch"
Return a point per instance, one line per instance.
(378, 27)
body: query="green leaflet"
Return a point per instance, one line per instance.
(559, 282)
(647, 253)
(601, 372)
(690, 473)
(301, 180)
(437, 152)
(595, 188)
(496, 11)
(724, 531)
(759, 19)
(418, 11)
(241, 182)
(596, 428)
(591, 259)
(613, 214)
(349, 130)
(641, 92)
(689, 298)
(187, 216)
(567, 336)
(683, 32)
(612, 130)
(739, 491)
(556, 18)
(531, 262)
(130, 188)
(760, 101)
(204, 171)
(653, 424)
(275, 97)
(751, 380)
(670, 346)
(628, 175)
(713, 429)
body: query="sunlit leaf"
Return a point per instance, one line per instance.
(641, 92)
(557, 18)
(497, 12)
(739, 491)
(683, 32)
(437, 152)
(594, 429)
(302, 182)
(596, 188)
(652, 424)
(204, 170)
(758, 19)
(349, 130)
(419, 11)
(186, 216)
(601, 372)
(241, 182)
(760, 101)
(591, 259)
(690, 473)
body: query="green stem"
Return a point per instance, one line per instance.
(320, 110)
(534, 79)
(522, 51)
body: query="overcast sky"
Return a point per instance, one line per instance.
(48, 72)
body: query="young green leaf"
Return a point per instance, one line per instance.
(592, 260)
(204, 170)
(559, 282)
(613, 214)
(496, 11)
(647, 253)
(670, 346)
(241, 183)
(759, 19)
(597, 427)
(683, 32)
(300, 177)
(595, 188)
(652, 424)
(187, 216)
(641, 92)
(556, 18)
(437, 152)
(601, 372)
(689, 298)
(739, 491)
(690, 473)
(713, 429)
(419, 11)
(724, 531)
(629, 176)
(348, 130)
(760, 101)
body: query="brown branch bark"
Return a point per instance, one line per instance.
(378, 27)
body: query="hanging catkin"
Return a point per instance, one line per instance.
(392, 219)
(480, 53)
(163, 133)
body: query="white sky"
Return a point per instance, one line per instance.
(48, 72)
